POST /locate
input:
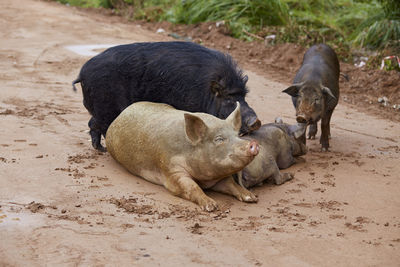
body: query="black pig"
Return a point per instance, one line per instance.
(315, 91)
(184, 75)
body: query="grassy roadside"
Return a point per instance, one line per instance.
(346, 25)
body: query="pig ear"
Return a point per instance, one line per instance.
(217, 87)
(245, 79)
(292, 90)
(195, 128)
(299, 130)
(327, 91)
(278, 120)
(235, 118)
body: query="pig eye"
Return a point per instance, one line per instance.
(219, 139)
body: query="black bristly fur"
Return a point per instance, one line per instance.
(183, 74)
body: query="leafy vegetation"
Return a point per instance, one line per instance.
(371, 24)
(381, 30)
(87, 3)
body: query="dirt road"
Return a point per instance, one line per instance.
(62, 203)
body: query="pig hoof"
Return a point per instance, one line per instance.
(287, 176)
(100, 148)
(248, 197)
(209, 205)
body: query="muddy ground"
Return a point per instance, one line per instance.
(62, 203)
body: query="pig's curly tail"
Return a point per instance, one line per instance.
(77, 80)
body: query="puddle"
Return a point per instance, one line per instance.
(25, 220)
(88, 50)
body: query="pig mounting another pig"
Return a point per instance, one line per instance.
(315, 91)
(182, 151)
(279, 144)
(185, 75)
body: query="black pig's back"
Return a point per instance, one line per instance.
(175, 73)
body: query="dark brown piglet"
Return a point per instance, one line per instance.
(278, 147)
(315, 91)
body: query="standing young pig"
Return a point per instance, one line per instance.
(182, 151)
(184, 75)
(278, 147)
(315, 91)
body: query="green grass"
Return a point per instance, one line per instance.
(87, 3)
(372, 24)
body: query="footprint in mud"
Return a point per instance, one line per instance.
(330, 205)
(196, 229)
(358, 225)
(75, 172)
(336, 216)
(294, 191)
(321, 190)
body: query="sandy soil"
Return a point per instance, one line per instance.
(62, 203)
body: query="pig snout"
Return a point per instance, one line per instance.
(250, 125)
(253, 148)
(301, 118)
(254, 124)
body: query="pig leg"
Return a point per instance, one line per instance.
(303, 138)
(312, 131)
(278, 177)
(285, 158)
(329, 125)
(186, 188)
(95, 134)
(230, 187)
(325, 130)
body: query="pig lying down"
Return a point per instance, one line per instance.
(184, 75)
(182, 151)
(315, 91)
(279, 144)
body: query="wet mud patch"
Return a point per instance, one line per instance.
(131, 205)
(146, 207)
(7, 112)
(251, 224)
(33, 207)
(395, 149)
(75, 172)
(36, 111)
(196, 229)
(355, 227)
(290, 216)
(82, 157)
(331, 205)
(64, 66)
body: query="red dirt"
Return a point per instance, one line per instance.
(62, 203)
